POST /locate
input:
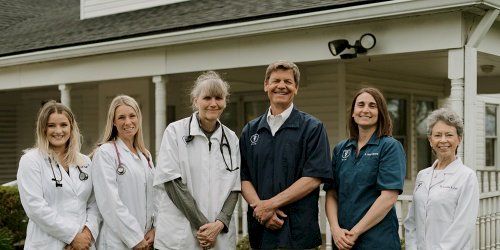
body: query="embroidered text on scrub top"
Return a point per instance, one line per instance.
(275, 121)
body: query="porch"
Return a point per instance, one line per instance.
(487, 233)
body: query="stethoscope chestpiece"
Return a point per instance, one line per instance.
(83, 176)
(120, 169)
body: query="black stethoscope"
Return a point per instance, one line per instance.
(82, 176)
(190, 137)
(121, 167)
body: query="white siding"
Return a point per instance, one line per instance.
(8, 137)
(96, 8)
(17, 125)
(84, 104)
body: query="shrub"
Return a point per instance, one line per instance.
(13, 219)
(6, 242)
(243, 243)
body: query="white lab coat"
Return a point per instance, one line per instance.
(125, 201)
(204, 173)
(56, 214)
(443, 213)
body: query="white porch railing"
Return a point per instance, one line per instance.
(487, 233)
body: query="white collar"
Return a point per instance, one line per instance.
(285, 114)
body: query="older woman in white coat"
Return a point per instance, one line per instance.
(123, 180)
(55, 185)
(446, 195)
(198, 167)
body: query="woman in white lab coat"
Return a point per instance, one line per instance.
(198, 169)
(446, 195)
(55, 185)
(123, 182)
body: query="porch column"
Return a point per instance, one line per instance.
(65, 94)
(456, 65)
(470, 87)
(160, 110)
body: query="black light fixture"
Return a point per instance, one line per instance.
(361, 46)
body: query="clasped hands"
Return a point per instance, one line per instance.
(268, 215)
(82, 241)
(343, 238)
(147, 242)
(207, 234)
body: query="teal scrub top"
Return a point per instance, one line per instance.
(359, 180)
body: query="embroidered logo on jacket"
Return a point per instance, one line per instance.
(345, 154)
(253, 139)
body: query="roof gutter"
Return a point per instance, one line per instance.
(355, 13)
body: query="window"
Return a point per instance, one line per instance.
(490, 133)
(242, 109)
(417, 148)
(397, 110)
(424, 153)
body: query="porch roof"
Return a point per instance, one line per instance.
(36, 25)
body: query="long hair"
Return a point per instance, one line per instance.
(72, 152)
(110, 131)
(384, 123)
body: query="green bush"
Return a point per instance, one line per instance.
(243, 243)
(6, 242)
(13, 219)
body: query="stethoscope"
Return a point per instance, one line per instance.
(82, 176)
(223, 144)
(120, 170)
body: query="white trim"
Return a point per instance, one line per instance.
(356, 13)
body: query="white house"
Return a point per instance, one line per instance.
(428, 54)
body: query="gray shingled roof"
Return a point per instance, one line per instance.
(34, 25)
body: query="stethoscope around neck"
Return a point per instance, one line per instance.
(82, 176)
(120, 170)
(190, 137)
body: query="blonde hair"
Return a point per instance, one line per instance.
(111, 133)
(72, 151)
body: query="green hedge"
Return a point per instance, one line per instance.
(13, 219)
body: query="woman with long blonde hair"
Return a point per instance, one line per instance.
(123, 181)
(55, 185)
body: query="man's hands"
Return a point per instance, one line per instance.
(268, 215)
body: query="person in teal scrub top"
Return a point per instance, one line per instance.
(368, 175)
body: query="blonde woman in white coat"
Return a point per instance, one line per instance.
(55, 185)
(198, 169)
(446, 195)
(123, 180)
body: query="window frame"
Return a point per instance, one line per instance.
(408, 128)
(496, 150)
